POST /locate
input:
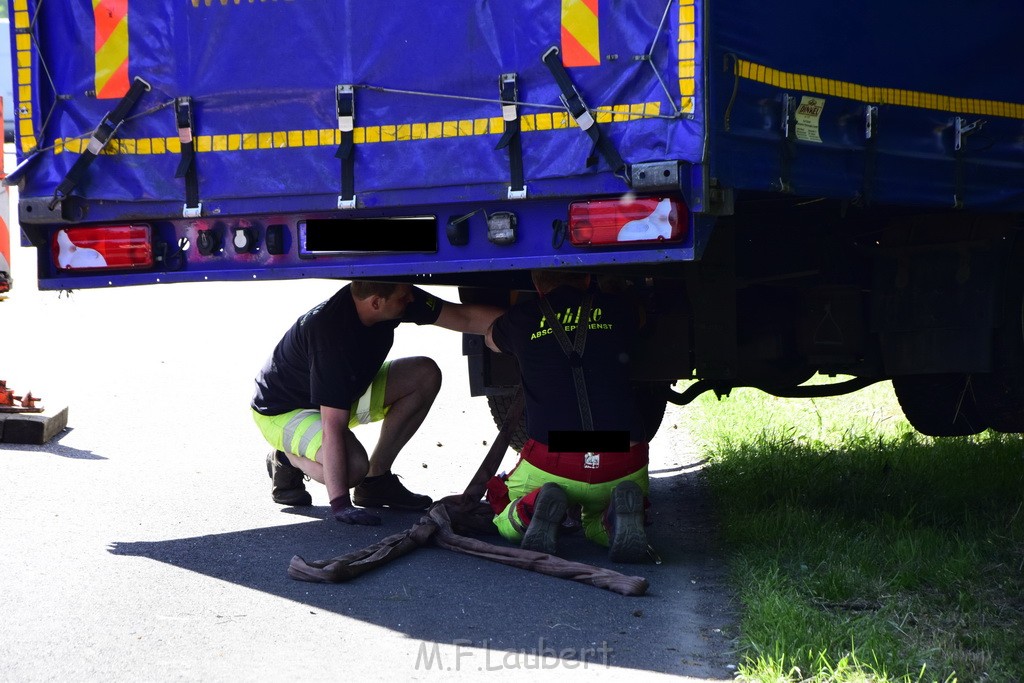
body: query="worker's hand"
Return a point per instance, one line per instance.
(354, 515)
(347, 513)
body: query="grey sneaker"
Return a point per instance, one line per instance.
(626, 522)
(286, 481)
(548, 512)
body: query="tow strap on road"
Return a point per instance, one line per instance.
(466, 512)
(436, 527)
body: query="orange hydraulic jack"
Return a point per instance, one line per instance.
(9, 403)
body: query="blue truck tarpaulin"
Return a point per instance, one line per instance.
(912, 104)
(263, 78)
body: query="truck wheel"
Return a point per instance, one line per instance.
(1000, 400)
(1001, 392)
(651, 399)
(940, 405)
(499, 405)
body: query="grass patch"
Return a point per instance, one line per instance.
(862, 550)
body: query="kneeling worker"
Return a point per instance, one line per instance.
(579, 385)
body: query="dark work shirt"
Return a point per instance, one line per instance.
(329, 357)
(550, 390)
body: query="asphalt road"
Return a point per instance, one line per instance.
(141, 543)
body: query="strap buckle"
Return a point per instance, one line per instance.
(346, 107)
(509, 97)
(577, 109)
(183, 117)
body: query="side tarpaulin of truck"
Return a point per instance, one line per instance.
(811, 188)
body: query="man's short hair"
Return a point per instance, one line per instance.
(364, 289)
(547, 279)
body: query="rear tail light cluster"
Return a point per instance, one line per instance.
(111, 247)
(630, 219)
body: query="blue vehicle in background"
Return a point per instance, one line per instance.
(814, 188)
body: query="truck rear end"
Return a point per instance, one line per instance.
(325, 139)
(814, 188)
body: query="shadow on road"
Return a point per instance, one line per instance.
(437, 596)
(54, 447)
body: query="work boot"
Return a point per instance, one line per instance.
(386, 491)
(286, 481)
(628, 540)
(548, 512)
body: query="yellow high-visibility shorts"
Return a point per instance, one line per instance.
(300, 432)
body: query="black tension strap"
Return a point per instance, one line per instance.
(574, 352)
(187, 166)
(512, 137)
(578, 110)
(100, 137)
(787, 151)
(870, 153)
(961, 131)
(346, 99)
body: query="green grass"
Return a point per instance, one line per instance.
(861, 550)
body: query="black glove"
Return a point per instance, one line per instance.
(347, 513)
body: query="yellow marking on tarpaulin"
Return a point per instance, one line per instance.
(23, 71)
(687, 49)
(875, 94)
(199, 4)
(362, 135)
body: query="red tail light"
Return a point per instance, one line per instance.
(614, 221)
(110, 247)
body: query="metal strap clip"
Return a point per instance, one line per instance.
(346, 108)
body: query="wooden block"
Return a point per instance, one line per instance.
(33, 428)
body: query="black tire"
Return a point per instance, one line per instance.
(499, 405)
(1001, 403)
(1001, 392)
(651, 399)
(941, 404)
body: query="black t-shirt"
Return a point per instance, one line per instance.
(329, 357)
(550, 390)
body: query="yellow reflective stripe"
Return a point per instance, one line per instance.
(329, 137)
(304, 424)
(200, 4)
(687, 55)
(875, 94)
(23, 60)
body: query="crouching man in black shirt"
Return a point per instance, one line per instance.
(580, 386)
(328, 374)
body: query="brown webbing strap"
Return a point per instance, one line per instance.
(477, 485)
(436, 526)
(534, 561)
(360, 561)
